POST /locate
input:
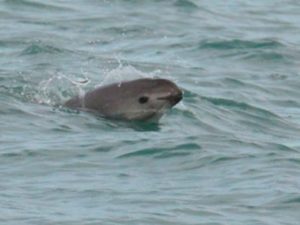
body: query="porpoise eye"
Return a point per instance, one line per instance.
(143, 99)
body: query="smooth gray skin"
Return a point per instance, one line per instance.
(142, 99)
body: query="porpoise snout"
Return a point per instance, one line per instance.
(173, 98)
(177, 98)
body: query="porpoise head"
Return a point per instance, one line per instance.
(140, 100)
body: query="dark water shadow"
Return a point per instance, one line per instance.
(134, 125)
(114, 123)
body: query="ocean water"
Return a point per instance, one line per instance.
(228, 154)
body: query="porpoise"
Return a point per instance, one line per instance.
(143, 99)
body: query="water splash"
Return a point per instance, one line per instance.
(59, 87)
(126, 72)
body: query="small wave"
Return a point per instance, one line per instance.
(265, 56)
(214, 160)
(179, 150)
(279, 147)
(240, 44)
(32, 4)
(296, 161)
(256, 118)
(185, 4)
(294, 200)
(238, 105)
(286, 103)
(23, 153)
(127, 30)
(37, 48)
(10, 154)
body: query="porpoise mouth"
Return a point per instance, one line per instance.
(172, 98)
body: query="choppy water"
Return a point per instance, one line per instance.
(228, 154)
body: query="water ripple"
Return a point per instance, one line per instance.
(229, 103)
(39, 48)
(240, 44)
(185, 4)
(34, 5)
(163, 152)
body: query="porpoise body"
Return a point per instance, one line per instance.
(136, 100)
